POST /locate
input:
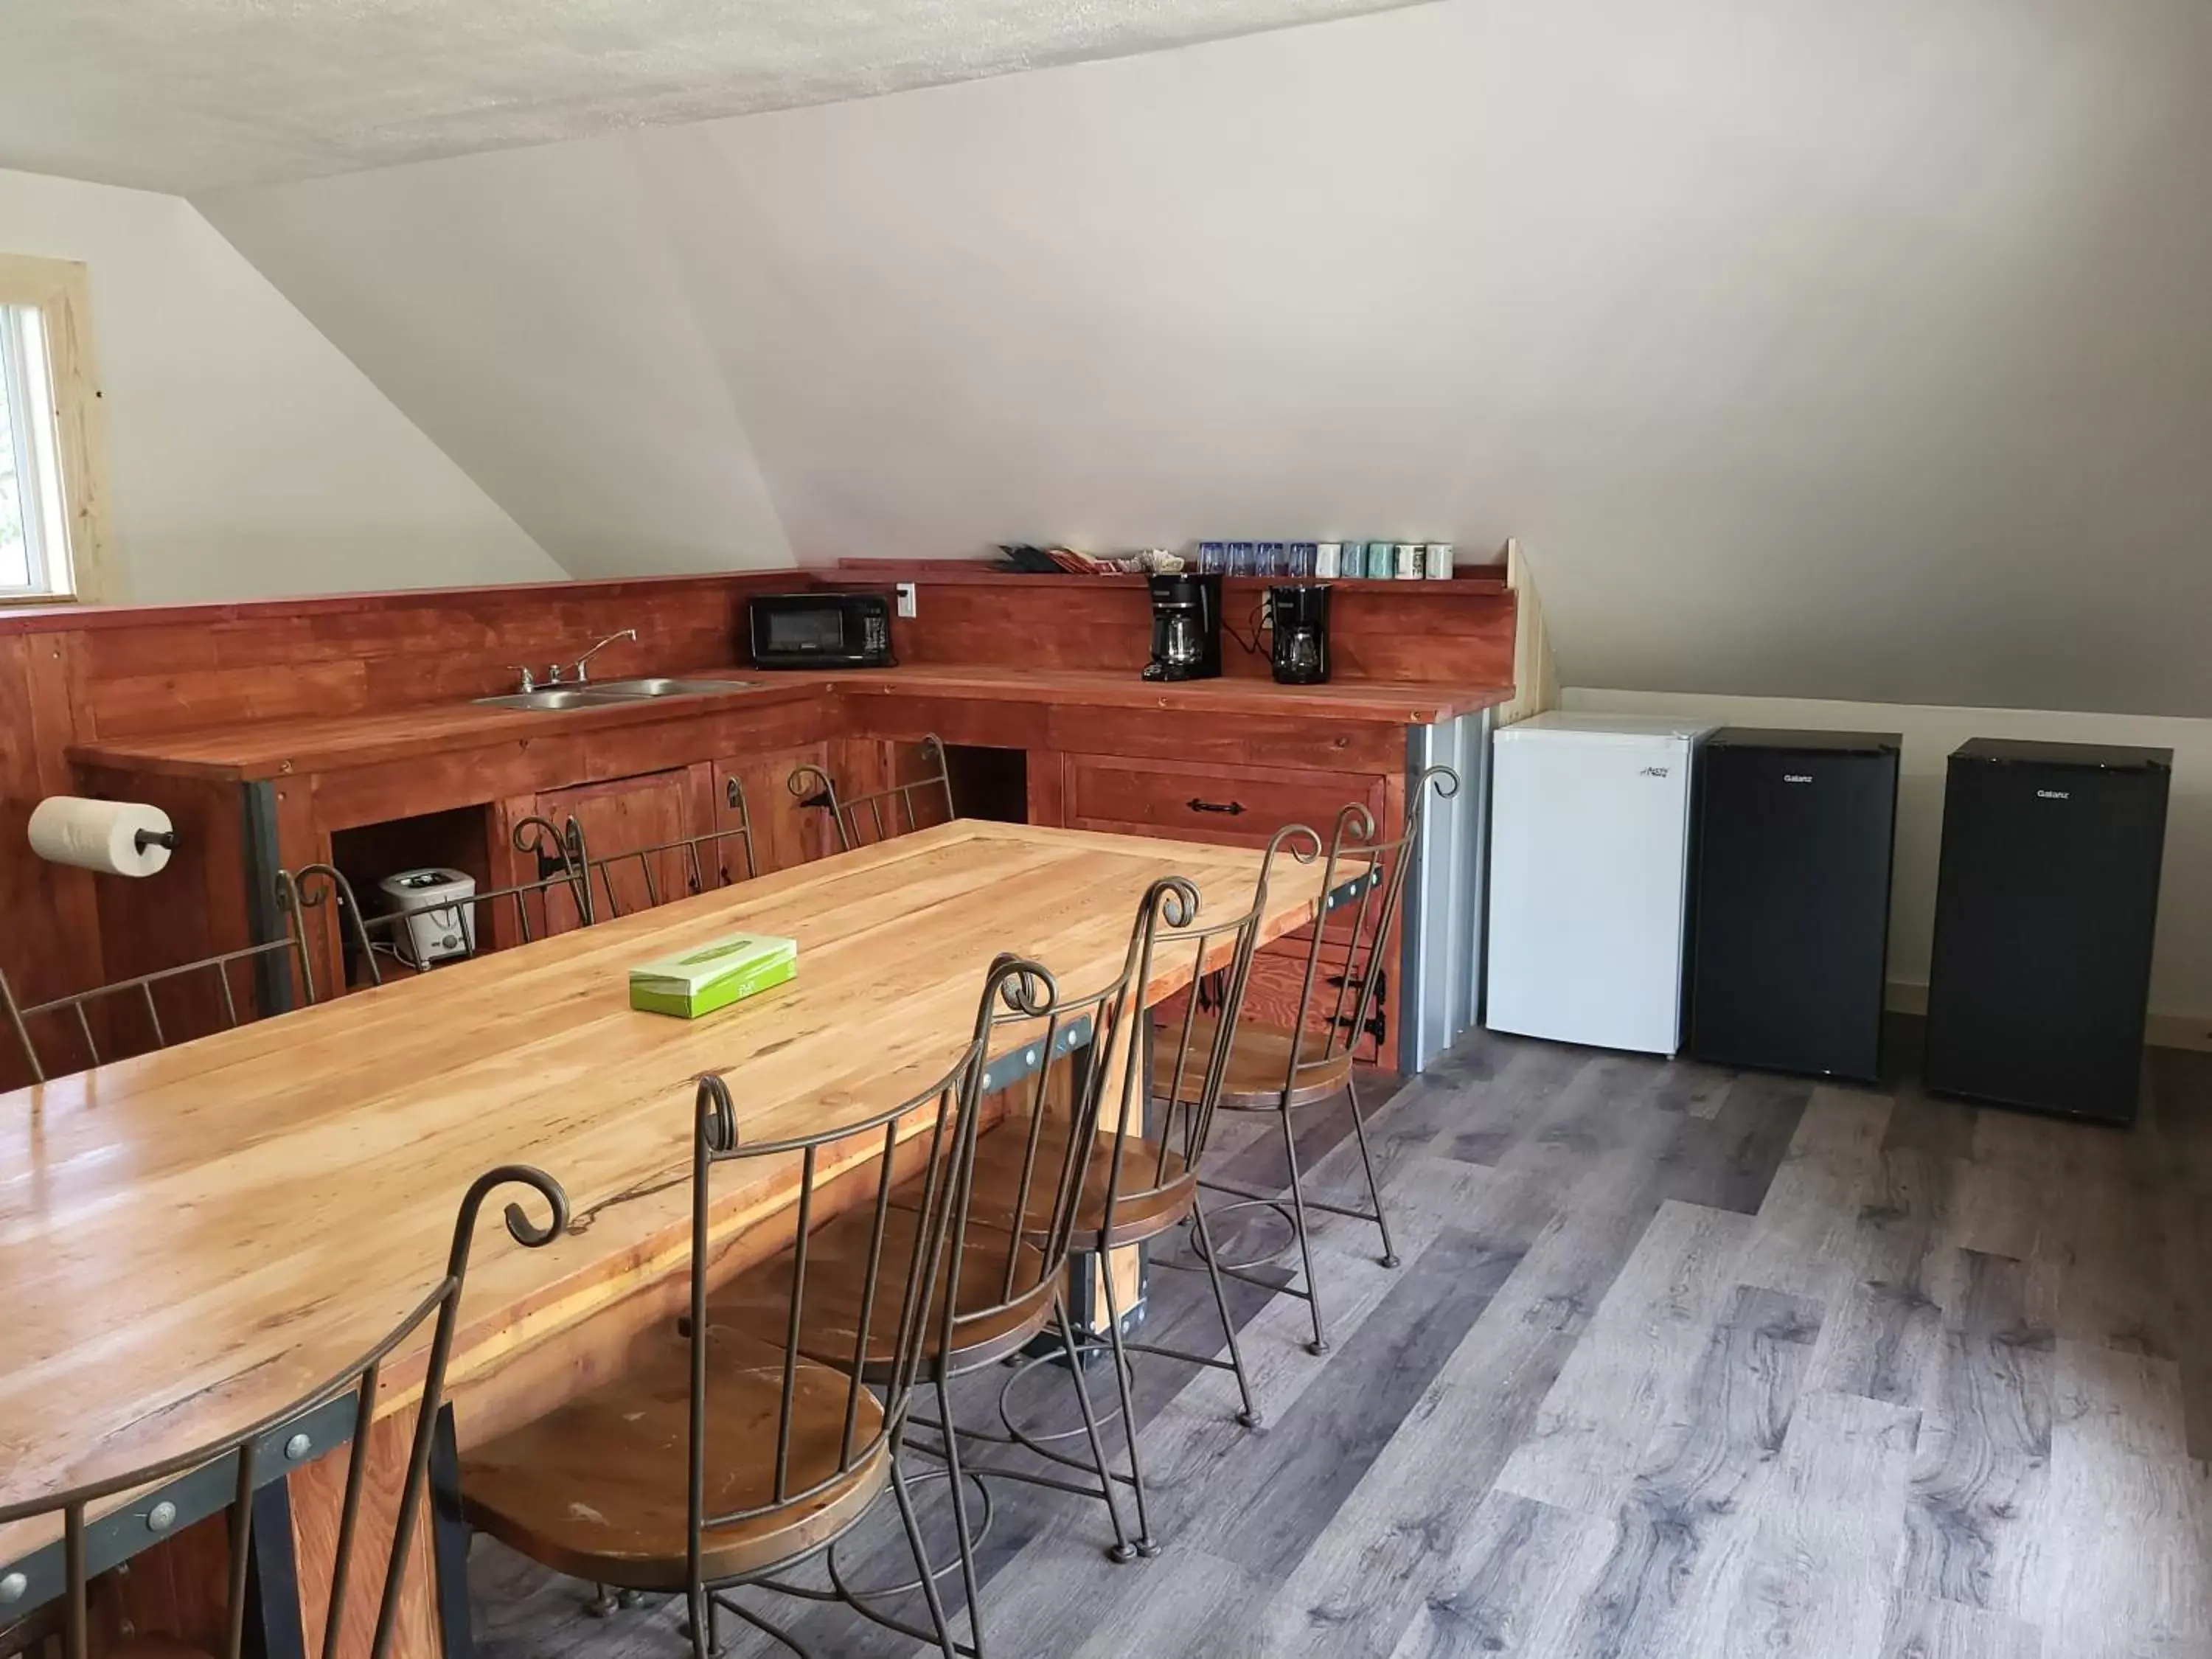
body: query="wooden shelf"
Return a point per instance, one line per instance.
(1484, 578)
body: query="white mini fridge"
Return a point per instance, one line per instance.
(1588, 870)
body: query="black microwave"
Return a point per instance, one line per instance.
(820, 630)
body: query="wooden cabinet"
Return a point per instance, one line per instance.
(1245, 805)
(1167, 762)
(625, 816)
(784, 833)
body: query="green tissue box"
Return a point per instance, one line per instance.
(713, 975)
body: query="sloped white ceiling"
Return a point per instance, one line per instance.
(195, 94)
(1833, 351)
(246, 457)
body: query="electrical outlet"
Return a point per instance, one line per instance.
(906, 599)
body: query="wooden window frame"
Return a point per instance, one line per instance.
(61, 291)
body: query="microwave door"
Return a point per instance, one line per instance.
(815, 631)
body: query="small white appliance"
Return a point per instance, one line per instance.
(440, 915)
(1589, 873)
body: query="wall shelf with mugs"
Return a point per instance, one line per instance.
(1306, 562)
(979, 572)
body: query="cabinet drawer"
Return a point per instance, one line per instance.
(1242, 803)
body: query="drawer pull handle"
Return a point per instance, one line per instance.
(1232, 807)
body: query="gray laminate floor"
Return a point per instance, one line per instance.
(1679, 1362)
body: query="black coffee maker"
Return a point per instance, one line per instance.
(1186, 627)
(1298, 618)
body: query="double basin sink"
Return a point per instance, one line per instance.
(609, 692)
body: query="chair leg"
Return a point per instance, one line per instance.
(970, 1584)
(937, 1619)
(1121, 1550)
(1249, 1417)
(1146, 1544)
(1367, 1162)
(700, 1625)
(1320, 1343)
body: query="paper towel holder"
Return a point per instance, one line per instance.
(146, 838)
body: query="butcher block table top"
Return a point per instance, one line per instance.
(193, 1239)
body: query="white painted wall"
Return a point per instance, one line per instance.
(1847, 350)
(2181, 969)
(246, 457)
(532, 312)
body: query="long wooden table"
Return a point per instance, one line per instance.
(191, 1240)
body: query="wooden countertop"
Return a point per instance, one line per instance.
(194, 1238)
(279, 748)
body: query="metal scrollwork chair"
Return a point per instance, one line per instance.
(1141, 1182)
(250, 1452)
(1280, 1069)
(209, 976)
(812, 787)
(998, 1289)
(399, 935)
(745, 1442)
(694, 870)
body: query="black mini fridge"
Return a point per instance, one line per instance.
(2044, 908)
(1789, 900)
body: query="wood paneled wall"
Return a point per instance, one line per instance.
(71, 676)
(1453, 633)
(172, 670)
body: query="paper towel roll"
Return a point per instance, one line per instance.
(99, 834)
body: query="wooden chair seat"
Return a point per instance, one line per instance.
(1146, 1205)
(759, 1301)
(595, 1488)
(1257, 1064)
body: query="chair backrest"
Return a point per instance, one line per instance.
(563, 863)
(913, 1255)
(1093, 1056)
(864, 820)
(245, 1451)
(1191, 1048)
(204, 987)
(1342, 1001)
(693, 871)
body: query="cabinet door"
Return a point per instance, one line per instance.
(874, 767)
(785, 834)
(625, 816)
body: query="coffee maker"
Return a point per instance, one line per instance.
(1186, 627)
(1298, 618)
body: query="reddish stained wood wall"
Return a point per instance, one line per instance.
(1454, 633)
(159, 675)
(72, 676)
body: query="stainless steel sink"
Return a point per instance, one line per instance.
(612, 691)
(552, 698)
(666, 688)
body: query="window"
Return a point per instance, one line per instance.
(34, 528)
(50, 538)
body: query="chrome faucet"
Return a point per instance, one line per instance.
(583, 675)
